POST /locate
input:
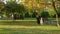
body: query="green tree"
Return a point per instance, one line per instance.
(56, 12)
(1, 7)
(14, 8)
(59, 11)
(45, 14)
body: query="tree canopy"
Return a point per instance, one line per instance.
(14, 7)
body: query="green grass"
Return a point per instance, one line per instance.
(24, 23)
(41, 30)
(21, 23)
(27, 27)
(30, 27)
(30, 19)
(26, 18)
(16, 29)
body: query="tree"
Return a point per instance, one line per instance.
(1, 7)
(14, 8)
(59, 11)
(54, 6)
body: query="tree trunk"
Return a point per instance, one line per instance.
(57, 20)
(53, 4)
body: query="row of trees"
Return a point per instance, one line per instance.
(56, 11)
(30, 8)
(12, 8)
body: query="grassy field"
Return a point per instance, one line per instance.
(26, 27)
(29, 30)
(21, 22)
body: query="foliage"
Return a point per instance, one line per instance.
(13, 7)
(1, 5)
(59, 11)
(30, 5)
(51, 12)
(44, 14)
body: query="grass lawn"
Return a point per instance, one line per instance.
(26, 27)
(29, 29)
(21, 22)
(28, 19)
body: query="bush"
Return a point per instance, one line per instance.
(44, 14)
(27, 15)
